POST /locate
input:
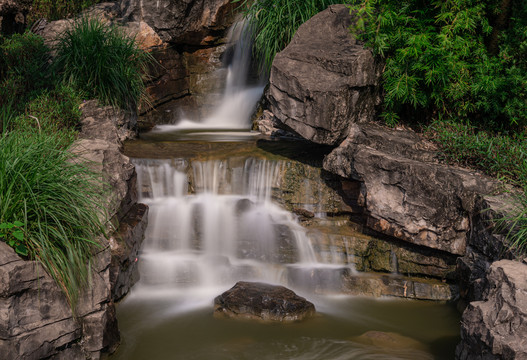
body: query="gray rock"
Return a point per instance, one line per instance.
(496, 328)
(324, 81)
(264, 302)
(405, 194)
(125, 245)
(188, 22)
(35, 318)
(486, 244)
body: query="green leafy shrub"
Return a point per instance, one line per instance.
(439, 61)
(13, 235)
(24, 68)
(55, 110)
(56, 197)
(55, 10)
(101, 62)
(274, 22)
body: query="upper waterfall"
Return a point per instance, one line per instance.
(239, 97)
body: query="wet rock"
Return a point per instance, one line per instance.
(324, 80)
(305, 187)
(390, 340)
(496, 327)
(405, 194)
(486, 244)
(264, 302)
(125, 245)
(371, 284)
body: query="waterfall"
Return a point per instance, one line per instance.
(239, 98)
(213, 223)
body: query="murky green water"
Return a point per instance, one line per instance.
(152, 331)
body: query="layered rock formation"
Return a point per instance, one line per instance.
(406, 193)
(264, 302)
(191, 39)
(496, 326)
(37, 321)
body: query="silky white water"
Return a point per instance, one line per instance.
(239, 98)
(212, 224)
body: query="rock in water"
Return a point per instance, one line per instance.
(259, 301)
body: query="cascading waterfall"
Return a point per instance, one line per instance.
(239, 98)
(215, 222)
(212, 224)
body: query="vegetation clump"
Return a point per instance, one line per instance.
(100, 61)
(457, 60)
(50, 200)
(274, 23)
(53, 199)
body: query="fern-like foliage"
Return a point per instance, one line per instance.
(438, 61)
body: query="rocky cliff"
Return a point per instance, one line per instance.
(37, 321)
(405, 191)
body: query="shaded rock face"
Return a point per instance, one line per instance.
(264, 302)
(486, 244)
(496, 327)
(13, 15)
(405, 194)
(188, 22)
(324, 80)
(36, 318)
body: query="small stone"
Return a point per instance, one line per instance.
(390, 340)
(263, 302)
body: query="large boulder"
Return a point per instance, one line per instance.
(324, 80)
(406, 194)
(264, 302)
(496, 328)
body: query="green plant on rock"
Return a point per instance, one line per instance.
(57, 198)
(55, 110)
(55, 10)
(458, 59)
(274, 22)
(24, 69)
(515, 225)
(13, 235)
(100, 61)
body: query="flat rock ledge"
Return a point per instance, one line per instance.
(263, 302)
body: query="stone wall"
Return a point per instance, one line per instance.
(37, 321)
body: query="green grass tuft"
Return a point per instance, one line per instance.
(56, 198)
(274, 22)
(500, 155)
(100, 61)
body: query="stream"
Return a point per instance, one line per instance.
(218, 215)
